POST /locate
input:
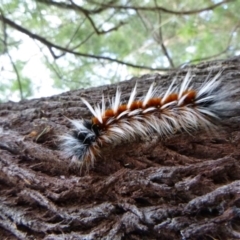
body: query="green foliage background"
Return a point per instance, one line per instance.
(151, 35)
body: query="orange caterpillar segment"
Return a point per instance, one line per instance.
(121, 109)
(136, 105)
(172, 97)
(95, 121)
(190, 96)
(109, 113)
(153, 102)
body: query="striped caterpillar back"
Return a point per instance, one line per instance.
(180, 108)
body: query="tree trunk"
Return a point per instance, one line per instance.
(184, 187)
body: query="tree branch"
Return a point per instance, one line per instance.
(51, 45)
(87, 15)
(159, 39)
(91, 34)
(85, 12)
(211, 7)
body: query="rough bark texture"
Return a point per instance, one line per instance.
(184, 187)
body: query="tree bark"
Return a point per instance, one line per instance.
(184, 187)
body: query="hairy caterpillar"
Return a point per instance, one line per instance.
(181, 108)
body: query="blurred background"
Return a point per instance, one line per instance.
(51, 46)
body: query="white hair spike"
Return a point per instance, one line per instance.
(132, 96)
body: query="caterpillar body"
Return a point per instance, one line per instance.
(180, 108)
